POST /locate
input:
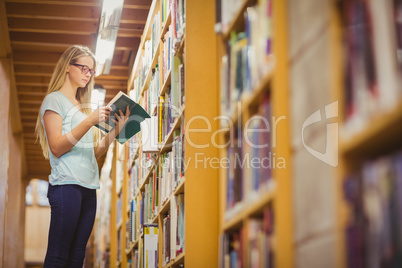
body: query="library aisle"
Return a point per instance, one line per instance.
(274, 137)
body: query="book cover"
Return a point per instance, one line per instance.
(132, 127)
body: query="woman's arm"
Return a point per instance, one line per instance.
(108, 139)
(60, 144)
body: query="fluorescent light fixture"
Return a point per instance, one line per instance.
(107, 34)
(98, 97)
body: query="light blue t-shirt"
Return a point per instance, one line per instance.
(77, 166)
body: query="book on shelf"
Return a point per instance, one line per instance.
(374, 197)
(132, 127)
(166, 241)
(151, 245)
(251, 244)
(149, 128)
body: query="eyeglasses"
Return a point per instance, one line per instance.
(84, 69)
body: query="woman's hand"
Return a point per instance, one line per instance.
(121, 119)
(99, 115)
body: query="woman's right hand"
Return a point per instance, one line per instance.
(99, 115)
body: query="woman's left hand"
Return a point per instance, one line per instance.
(121, 119)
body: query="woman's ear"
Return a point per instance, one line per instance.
(68, 69)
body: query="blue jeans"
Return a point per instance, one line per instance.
(73, 210)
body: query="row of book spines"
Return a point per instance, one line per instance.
(151, 44)
(134, 261)
(167, 107)
(146, 252)
(374, 195)
(169, 165)
(251, 245)
(249, 57)
(171, 40)
(173, 230)
(250, 160)
(150, 97)
(372, 67)
(227, 10)
(172, 102)
(162, 183)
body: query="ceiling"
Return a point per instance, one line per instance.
(40, 31)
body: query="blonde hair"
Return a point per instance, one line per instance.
(70, 56)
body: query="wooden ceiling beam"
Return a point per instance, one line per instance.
(33, 152)
(133, 20)
(50, 31)
(25, 93)
(45, 172)
(57, 39)
(29, 102)
(40, 74)
(138, 14)
(30, 97)
(53, 10)
(38, 158)
(37, 57)
(90, 3)
(28, 117)
(39, 176)
(137, 2)
(50, 17)
(129, 33)
(32, 84)
(29, 110)
(53, 64)
(46, 25)
(32, 79)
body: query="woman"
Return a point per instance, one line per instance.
(65, 130)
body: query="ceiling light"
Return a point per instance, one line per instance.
(107, 34)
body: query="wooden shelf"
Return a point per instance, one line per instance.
(155, 111)
(136, 155)
(155, 219)
(150, 172)
(380, 135)
(132, 246)
(250, 209)
(178, 260)
(166, 84)
(165, 26)
(251, 100)
(118, 191)
(165, 207)
(130, 249)
(119, 225)
(237, 23)
(204, 56)
(180, 48)
(147, 29)
(149, 72)
(167, 144)
(180, 188)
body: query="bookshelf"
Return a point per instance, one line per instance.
(369, 142)
(255, 205)
(151, 192)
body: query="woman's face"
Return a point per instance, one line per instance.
(80, 73)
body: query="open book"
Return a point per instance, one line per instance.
(137, 115)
